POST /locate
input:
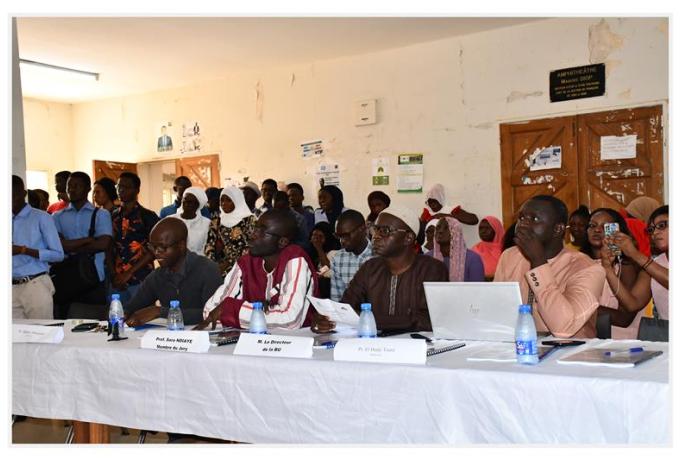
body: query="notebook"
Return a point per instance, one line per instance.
(435, 349)
(473, 311)
(598, 357)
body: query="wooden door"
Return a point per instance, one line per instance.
(203, 171)
(615, 183)
(111, 169)
(520, 143)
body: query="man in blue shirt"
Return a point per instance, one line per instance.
(181, 184)
(35, 243)
(73, 225)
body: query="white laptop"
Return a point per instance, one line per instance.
(473, 311)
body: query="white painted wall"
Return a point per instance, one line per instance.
(444, 99)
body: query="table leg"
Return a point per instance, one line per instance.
(90, 433)
(81, 432)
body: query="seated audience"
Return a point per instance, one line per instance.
(229, 240)
(377, 202)
(322, 248)
(356, 249)
(104, 194)
(652, 281)
(429, 234)
(578, 225)
(60, 185)
(275, 272)
(626, 272)
(509, 238)
(449, 247)
(637, 215)
(33, 199)
(490, 247)
(132, 224)
(35, 244)
(296, 197)
(213, 194)
(282, 203)
(251, 192)
(393, 281)
(73, 225)
(193, 200)
(331, 205)
(268, 190)
(183, 275)
(563, 286)
(437, 208)
(181, 183)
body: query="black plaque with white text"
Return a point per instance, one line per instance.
(577, 83)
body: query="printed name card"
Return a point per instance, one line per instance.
(32, 333)
(180, 341)
(277, 346)
(396, 351)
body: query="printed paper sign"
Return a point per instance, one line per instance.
(276, 346)
(380, 168)
(547, 158)
(328, 173)
(32, 333)
(399, 351)
(410, 179)
(618, 147)
(179, 341)
(312, 149)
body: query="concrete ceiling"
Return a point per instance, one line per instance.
(136, 55)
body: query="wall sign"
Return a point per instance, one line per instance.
(577, 83)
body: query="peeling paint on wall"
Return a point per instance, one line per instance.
(602, 42)
(258, 101)
(462, 75)
(517, 95)
(292, 79)
(544, 179)
(625, 94)
(488, 125)
(610, 65)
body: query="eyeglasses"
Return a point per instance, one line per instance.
(159, 247)
(341, 236)
(529, 219)
(663, 225)
(259, 230)
(384, 230)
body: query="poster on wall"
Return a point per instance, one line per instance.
(311, 149)
(191, 137)
(618, 147)
(380, 171)
(546, 158)
(327, 174)
(164, 137)
(410, 173)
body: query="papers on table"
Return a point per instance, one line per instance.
(342, 314)
(609, 357)
(497, 353)
(33, 333)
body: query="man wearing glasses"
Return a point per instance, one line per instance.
(275, 272)
(393, 281)
(356, 249)
(183, 275)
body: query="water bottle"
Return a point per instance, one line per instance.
(116, 316)
(175, 318)
(367, 327)
(526, 340)
(258, 323)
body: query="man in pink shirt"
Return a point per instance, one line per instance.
(563, 286)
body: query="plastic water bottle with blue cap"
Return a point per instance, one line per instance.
(526, 339)
(367, 327)
(258, 322)
(175, 317)
(116, 317)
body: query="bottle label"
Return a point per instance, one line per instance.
(526, 347)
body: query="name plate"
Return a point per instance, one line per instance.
(180, 341)
(277, 346)
(32, 333)
(395, 351)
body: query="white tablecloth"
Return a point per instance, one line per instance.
(269, 400)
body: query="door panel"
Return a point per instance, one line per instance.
(111, 169)
(203, 171)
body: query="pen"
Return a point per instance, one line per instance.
(624, 352)
(329, 344)
(420, 336)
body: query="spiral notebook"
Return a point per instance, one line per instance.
(435, 350)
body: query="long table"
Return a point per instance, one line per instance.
(275, 400)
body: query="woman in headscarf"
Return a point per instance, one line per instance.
(228, 240)
(193, 200)
(331, 205)
(637, 214)
(429, 235)
(491, 233)
(377, 202)
(450, 248)
(436, 207)
(324, 245)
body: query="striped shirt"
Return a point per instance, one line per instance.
(343, 267)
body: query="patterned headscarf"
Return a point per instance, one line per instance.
(490, 251)
(457, 253)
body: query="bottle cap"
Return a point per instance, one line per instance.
(174, 304)
(115, 296)
(365, 306)
(257, 305)
(525, 308)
